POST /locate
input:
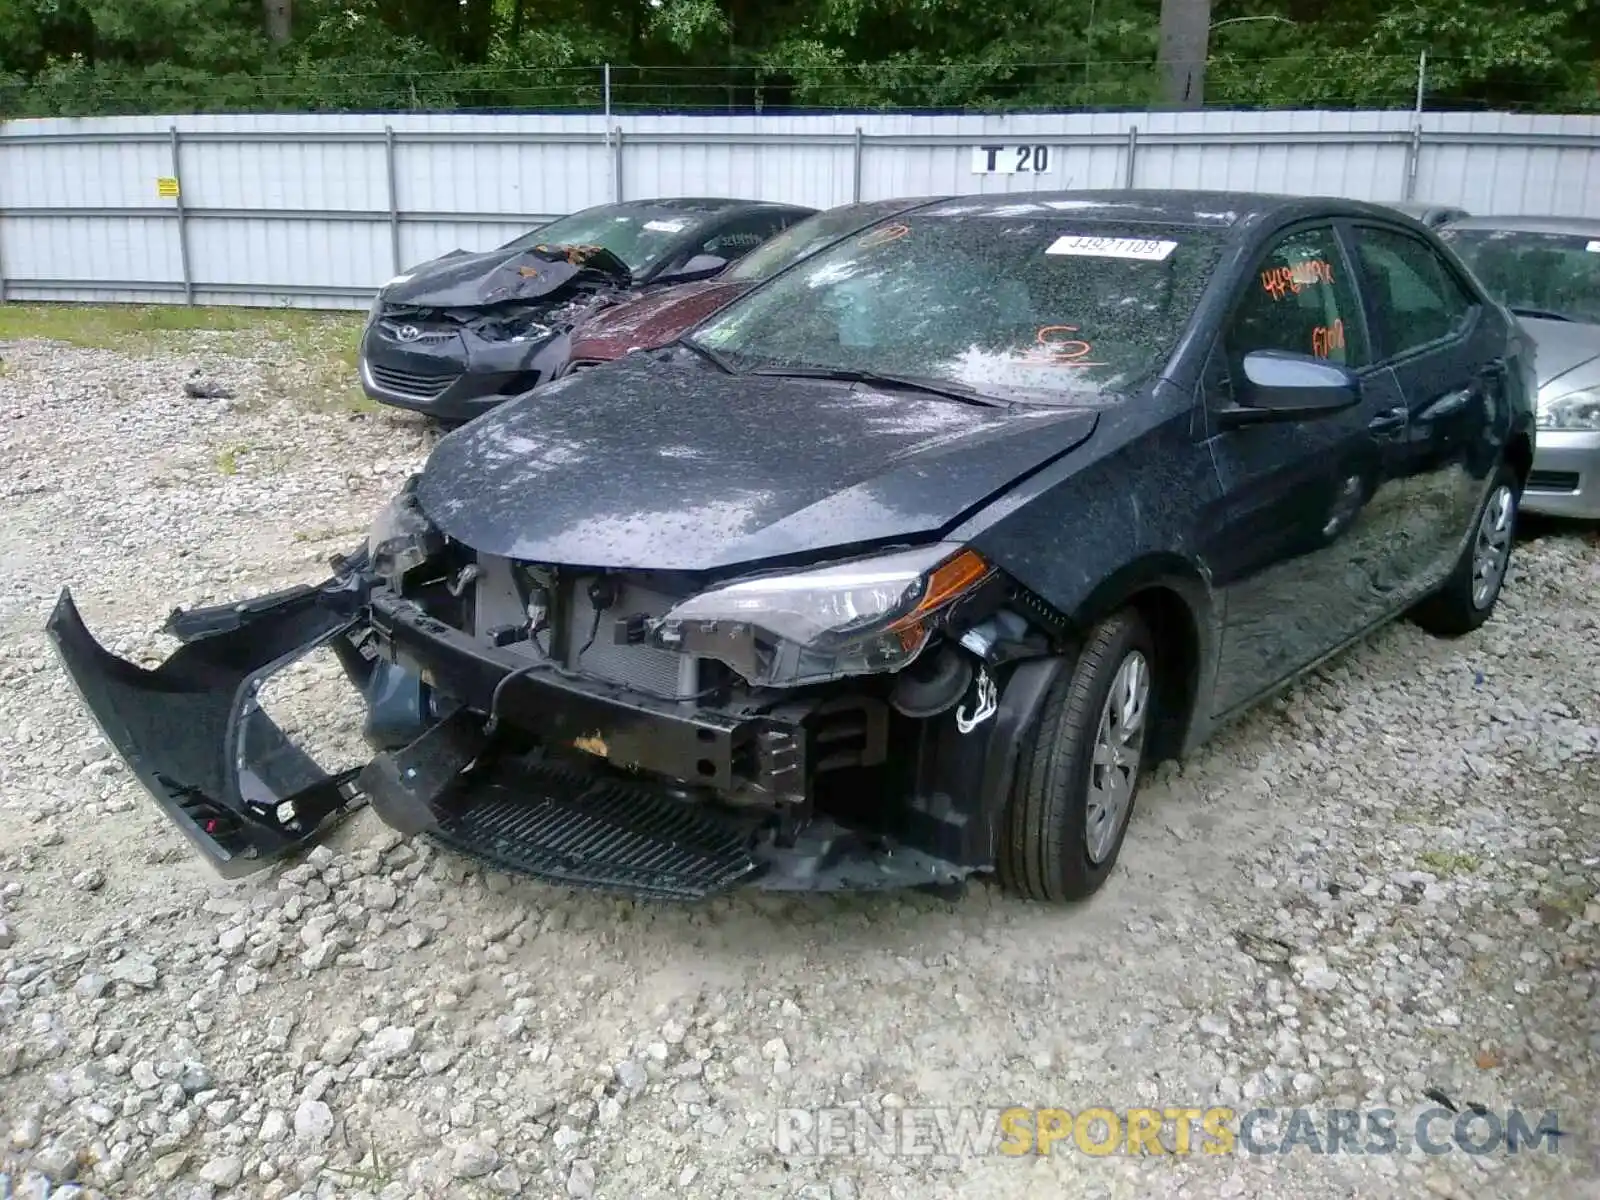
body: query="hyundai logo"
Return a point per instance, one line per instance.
(407, 333)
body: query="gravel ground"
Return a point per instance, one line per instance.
(1377, 892)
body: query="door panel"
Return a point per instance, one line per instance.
(1302, 538)
(1443, 349)
(1302, 535)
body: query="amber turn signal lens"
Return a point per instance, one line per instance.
(948, 581)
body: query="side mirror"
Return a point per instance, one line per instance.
(1279, 386)
(701, 266)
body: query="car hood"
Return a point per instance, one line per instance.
(656, 465)
(463, 280)
(1567, 353)
(652, 320)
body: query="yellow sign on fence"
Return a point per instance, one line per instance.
(167, 189)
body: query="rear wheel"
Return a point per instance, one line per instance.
(1468, 597)
(1079, 768)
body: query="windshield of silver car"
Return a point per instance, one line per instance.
(1535, 274)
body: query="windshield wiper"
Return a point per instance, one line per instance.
(933, 387)
(715, 357)
(1541, 314)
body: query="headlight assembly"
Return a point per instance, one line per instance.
(1578, 411)
(853, 618)
(401, 537)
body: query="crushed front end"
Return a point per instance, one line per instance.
(850, 726)
(464, 347)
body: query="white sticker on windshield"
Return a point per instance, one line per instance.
(1143, 249)
(674, 226)
(1593, 247)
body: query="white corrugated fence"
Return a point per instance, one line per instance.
(318, 210)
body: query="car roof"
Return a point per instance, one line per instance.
(894, 204)
(1423, 207)
(696, 204)
(1196, 207)
(709, 206)
(1582, 226)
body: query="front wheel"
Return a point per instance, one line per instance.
(1468, 597)
(1079, 768)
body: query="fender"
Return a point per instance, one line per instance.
(1177, 600)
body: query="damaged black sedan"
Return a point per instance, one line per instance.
(906, 565)
(459, 334)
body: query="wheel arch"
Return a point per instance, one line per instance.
(1174, 598)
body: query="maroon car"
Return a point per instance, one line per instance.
(663, 316)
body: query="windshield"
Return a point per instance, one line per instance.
(640, 237)
(1063, 311)
(803, 239)
(1553, 274)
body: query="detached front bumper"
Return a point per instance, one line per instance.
(193, 732)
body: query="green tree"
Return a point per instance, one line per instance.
(81, 57)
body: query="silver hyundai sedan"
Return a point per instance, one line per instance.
(1546, 270)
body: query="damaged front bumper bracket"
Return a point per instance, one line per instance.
(193, 732)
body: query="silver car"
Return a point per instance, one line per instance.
(1546, 270)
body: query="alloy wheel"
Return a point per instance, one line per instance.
(1491, 549)
(1118, 748)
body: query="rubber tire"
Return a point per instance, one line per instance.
(1043, 852)
(1449, 612)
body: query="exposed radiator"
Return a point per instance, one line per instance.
(662, 672)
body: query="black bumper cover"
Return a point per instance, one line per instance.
(193, 734)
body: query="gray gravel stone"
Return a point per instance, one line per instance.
(391, 1043)
(473, 1160)
(339, 1046)
(313, 1122)
(223, 1172)
(134, 969)
(580, 1179)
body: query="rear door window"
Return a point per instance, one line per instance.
(1416, 298)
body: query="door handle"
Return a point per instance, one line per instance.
(1447, 404)
(1389, 420)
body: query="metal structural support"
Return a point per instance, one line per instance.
(2, 240)
(394, 198)
(855, 170)
(1132, 156)
(611, 164)
(616, 164)
(183, 217)
(504, 137)
(359, 215)
(1413, 159)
